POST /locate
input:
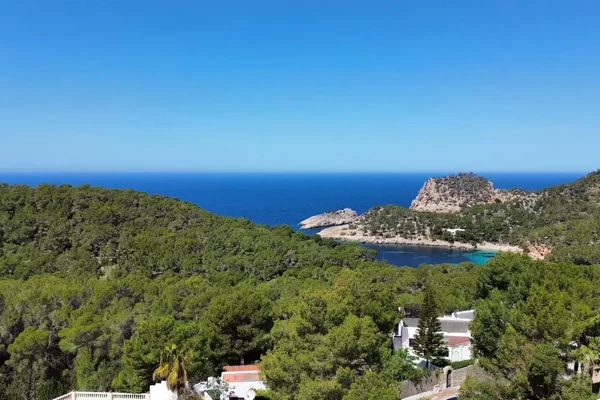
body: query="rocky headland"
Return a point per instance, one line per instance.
(465, 211)
(331, 218)
(451, 194)
(419, 224)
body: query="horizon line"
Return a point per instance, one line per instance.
(315, 172)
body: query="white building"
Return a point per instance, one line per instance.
(454, 230)
(455, 329)
(160, 391)
(242, 382)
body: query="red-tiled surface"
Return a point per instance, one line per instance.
(241, 377)
(456, 340)
(239, 368)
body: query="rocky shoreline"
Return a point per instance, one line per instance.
(344, 232)
(450, 194)
(331, 218)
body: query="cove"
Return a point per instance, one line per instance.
(415, 255)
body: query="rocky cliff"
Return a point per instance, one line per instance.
(452, 193)
(332, 218)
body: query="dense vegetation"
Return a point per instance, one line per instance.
(536, 330)
(566, 218)
(96, 283)
(428, 342)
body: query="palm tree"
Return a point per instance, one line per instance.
(587, 352)
(171, 368)
(587, 356)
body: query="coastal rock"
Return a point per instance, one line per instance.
(452, 193)
(332, 218)
(538, 251)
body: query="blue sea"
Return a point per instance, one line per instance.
(282, 198)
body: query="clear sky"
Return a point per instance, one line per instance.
(127, 85)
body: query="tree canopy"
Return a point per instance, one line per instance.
(95, 282)
(535, 324)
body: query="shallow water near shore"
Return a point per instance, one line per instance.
(413, 256)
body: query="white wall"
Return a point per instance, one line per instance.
(160, 391)
(460, 353)
(405, 336)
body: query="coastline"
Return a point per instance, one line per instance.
(344, 232)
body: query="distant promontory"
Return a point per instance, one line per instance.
(465, 211)
(331, 218)
(451, 194)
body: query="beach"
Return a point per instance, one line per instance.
(344, 232)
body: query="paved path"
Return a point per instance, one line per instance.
(446, 394)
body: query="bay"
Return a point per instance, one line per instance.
(288, 198)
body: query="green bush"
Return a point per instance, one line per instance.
(461, 364)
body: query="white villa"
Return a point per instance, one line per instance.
(455, 329)
(243, 381)
(454, 230)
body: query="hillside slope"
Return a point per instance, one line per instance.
(561, 222)
(94, 283)
(100, 231)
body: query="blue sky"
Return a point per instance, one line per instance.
(127, 85)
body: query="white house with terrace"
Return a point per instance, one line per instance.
(455, 329)
(242, 382)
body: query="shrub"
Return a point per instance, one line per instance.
(461, 364)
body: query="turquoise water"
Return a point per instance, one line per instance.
(480, 256)
(413, 256)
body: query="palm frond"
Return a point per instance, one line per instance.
(173, 371)
(162, 371)
(184, 375)
(173, 380)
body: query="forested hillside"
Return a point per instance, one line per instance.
(565, 218)
(532, 319)
(94, 283)
(112, 232)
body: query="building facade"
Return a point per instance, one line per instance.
(455, 329)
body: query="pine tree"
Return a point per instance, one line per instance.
(428, 342)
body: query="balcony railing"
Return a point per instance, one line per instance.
(102, 396)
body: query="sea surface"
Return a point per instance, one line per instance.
(283, 198)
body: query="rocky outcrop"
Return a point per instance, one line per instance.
(332, 218)
(450, 194)
(538, 251)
